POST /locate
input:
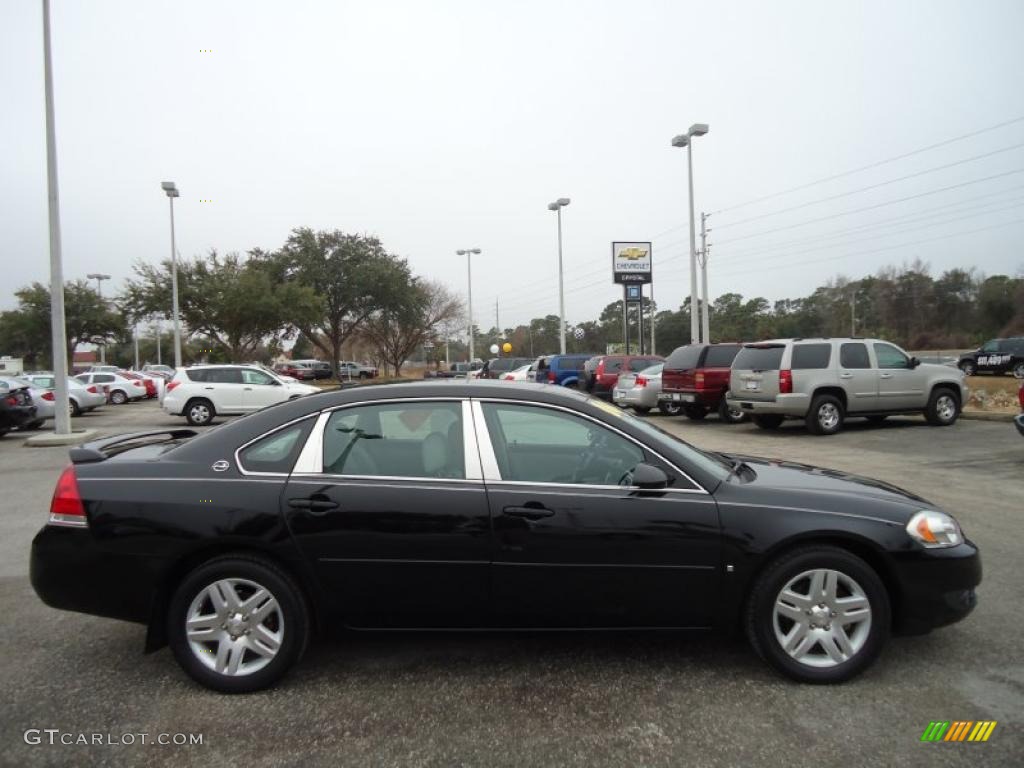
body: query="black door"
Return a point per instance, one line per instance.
(396, 533)
(573, 547)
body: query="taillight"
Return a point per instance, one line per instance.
(66, 508)
(698, 380)
(48, 396)
(172, 384)
(640, 382)
(551, 377)
(11, 400)
(785, 382)
(92, 390)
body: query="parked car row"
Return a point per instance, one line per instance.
(307, 370)
(27, 402)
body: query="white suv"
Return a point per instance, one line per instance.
(201, 392)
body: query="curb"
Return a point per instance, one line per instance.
(987, 416)
(50, 439)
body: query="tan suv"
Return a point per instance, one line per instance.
(825, 380)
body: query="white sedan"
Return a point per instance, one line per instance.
(522, 373)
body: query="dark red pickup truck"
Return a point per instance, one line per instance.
(697, 377)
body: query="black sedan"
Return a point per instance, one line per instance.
(484, 505)
(16, 409)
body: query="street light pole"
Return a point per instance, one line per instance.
(99, 278)
(468, 252)
(704, 319)
(172, 192)
(686, 140)
(557, 206)
(58, 333)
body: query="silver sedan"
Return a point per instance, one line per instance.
(639, 391)
(82, 397)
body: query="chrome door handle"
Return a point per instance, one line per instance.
(845, 375)
(530, 513)
(248, 389)
(210, 388)
(885, 375)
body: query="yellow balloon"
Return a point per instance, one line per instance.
(506, 347)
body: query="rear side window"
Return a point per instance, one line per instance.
(198, 375)
(811, 356)
(684, 357)
(276, 452)
(721, 355)
(854, 356)
(759, 358)
(224, 376)
(613, 364)
(103, 378)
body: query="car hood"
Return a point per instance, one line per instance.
(804, 485)
(302, 389)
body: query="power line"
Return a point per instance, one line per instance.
(872, 207)
(870, 187)
(871, 165)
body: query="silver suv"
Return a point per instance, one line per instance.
(825, 380)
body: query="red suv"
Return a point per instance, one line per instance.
(602, 373)
(696, 376)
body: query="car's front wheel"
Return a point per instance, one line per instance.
(730, 414)
(1018, 371)
(199, 413)
(669, 408)
(943, 408)
(818, 614)
(237, 624)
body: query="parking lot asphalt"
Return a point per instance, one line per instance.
(579, 699)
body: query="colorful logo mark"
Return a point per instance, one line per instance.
(958, 730)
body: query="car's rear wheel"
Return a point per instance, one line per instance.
(1018, 371)
(769, 420)
(943, 408)
(695, 412)
(73, 408)
(818, 614)
(826, 415)
(117, 397)
(31, 425)
(238, 624)
(670, 409)
(364, 375)
(968, 368)
(730, 414)
(199, 412)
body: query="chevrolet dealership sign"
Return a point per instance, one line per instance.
(631, 262)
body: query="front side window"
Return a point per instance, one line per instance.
(991, 346)
(276, 452)
(890, 357)
(415, 439)
(250, 376)
(542, 445)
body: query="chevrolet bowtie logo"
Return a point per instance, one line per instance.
(633, 254)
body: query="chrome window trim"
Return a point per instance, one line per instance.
(485, 440)
(404, 483)
(488, 460)
(630, 488)
(238, 451)
(310, 461)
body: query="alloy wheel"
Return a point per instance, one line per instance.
(234, 627)
(200, 413)
(822, 618)
(828, 416)
(945, 407)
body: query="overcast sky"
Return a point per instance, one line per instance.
(444, 125)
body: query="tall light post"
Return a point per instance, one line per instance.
(557, 206)
(172, 192)
(468, 252)
(58, 333)
(686, 140)
(99, 278)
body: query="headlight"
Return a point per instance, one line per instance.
(934, 529)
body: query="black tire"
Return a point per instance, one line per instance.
(730, 415)
(74, 408)
(118, 397)
(878, 418)
(641, 410)
(199, 412)
(695, 412)
(968, 367)
(669, 408)
(943, 407)
(1018, 371)
(769, 420)
(825, 416)
(364, 375)
(760, 621)
(293, 612)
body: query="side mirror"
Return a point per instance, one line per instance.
(649, 477)
(914, 362)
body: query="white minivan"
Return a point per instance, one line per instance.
(201, 392)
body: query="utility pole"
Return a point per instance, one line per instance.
(853, 314)
(705, 321)
(497, 327)
(652, 313)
